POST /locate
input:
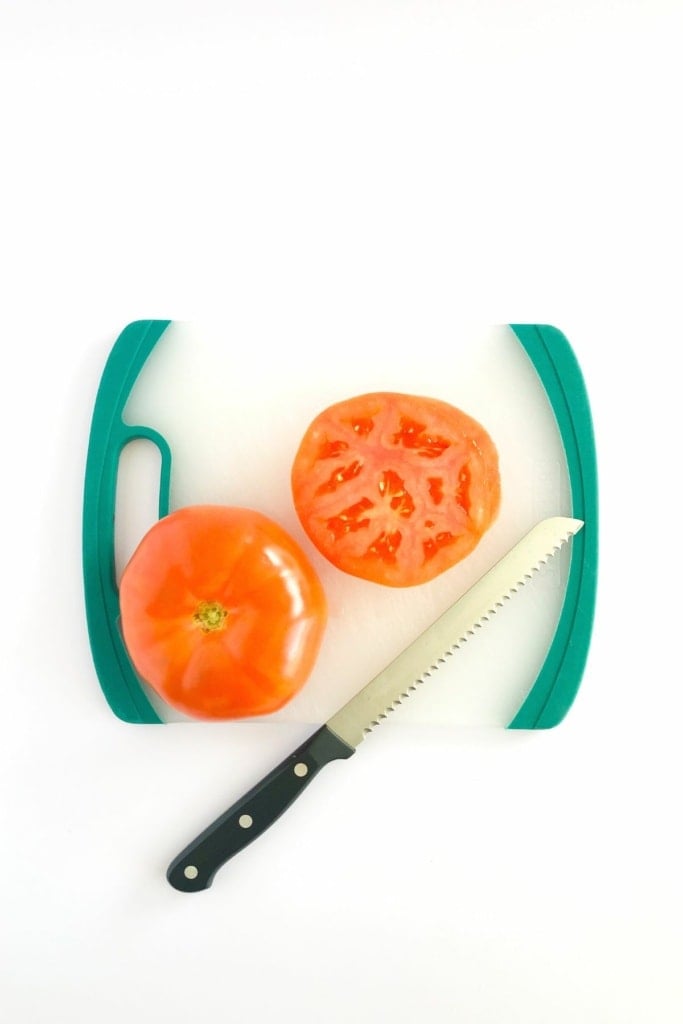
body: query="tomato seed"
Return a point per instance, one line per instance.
(413, 435)
(350, 519)
(385, 547)
(331, 449)
(435, 489)
(432, 546)
(362, 425)
(340, 476)
(391, 485)
(462, 495)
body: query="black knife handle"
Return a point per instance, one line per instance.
(194, 869)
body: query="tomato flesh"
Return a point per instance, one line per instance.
(395, 488)
(221, 612)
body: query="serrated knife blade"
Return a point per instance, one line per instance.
(194, 868)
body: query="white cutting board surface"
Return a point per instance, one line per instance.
(233, 413)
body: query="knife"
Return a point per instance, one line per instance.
(194, 869)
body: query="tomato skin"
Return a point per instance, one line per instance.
(395, 488)
(221, 612)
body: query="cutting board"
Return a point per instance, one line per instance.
(187, 414)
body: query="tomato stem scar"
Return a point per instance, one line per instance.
(210, 616)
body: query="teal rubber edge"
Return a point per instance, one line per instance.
(109, 435)
(556, 686)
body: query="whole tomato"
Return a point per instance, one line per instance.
(221, 612)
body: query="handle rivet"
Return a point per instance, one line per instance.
(245, 821)
(300, 769)
(191, 872)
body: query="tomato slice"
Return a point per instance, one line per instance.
(221, 612)
(395, 488)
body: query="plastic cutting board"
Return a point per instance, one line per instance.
(185, 415)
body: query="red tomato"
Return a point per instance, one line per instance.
(221, 612)
(395, 488)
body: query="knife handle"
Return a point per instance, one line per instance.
(194, 868)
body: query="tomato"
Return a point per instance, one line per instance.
(221, 612)
(395, 488)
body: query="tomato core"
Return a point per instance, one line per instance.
(210, 616)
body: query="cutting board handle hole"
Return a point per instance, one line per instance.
(137, 498)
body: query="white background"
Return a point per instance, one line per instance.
(313, 165)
